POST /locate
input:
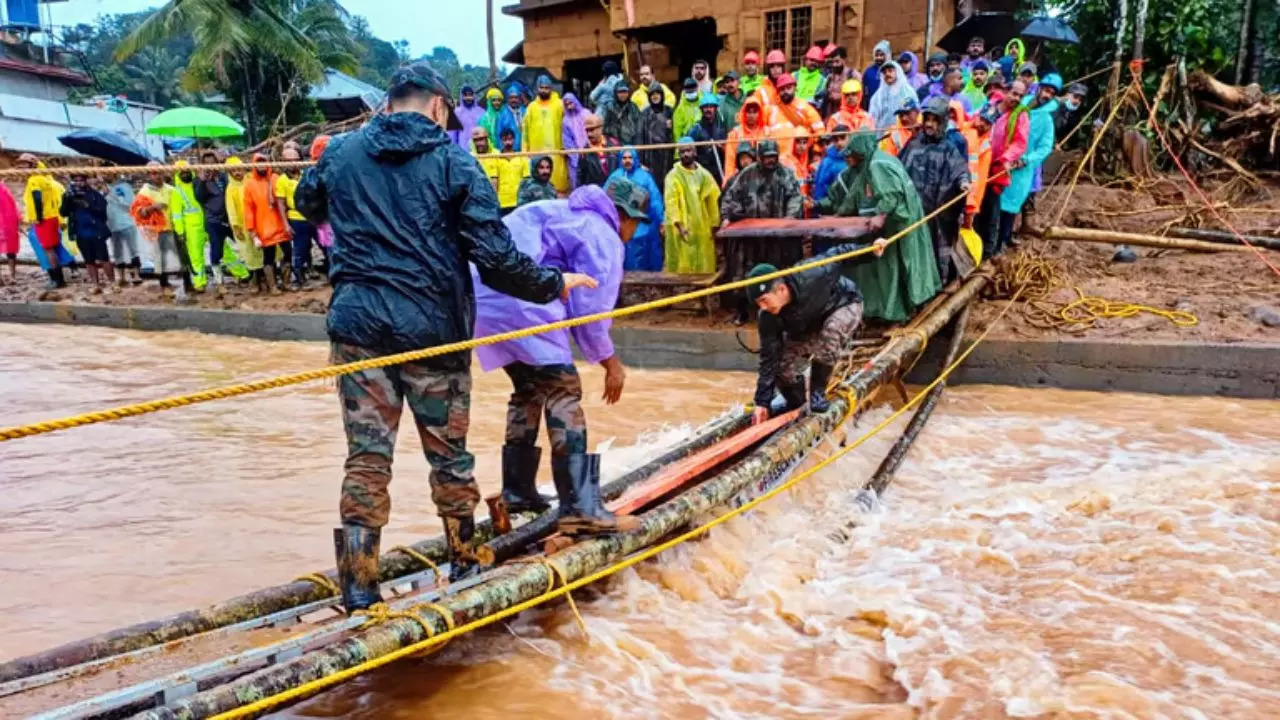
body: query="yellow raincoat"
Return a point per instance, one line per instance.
(248, 252)
(50, 195)
(188, 224)
(693, 201)
(544, 130)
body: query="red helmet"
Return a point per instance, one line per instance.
(775, 57)
(814, 53)
(784, 80)
(751, 57)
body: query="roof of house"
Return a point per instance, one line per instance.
(56, 72)
(33, 125)
(341, 96)
(524, 7)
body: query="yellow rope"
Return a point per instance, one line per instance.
(442, 580)
(555, 573)
(323, 581)
(321, 683)
(228, 391)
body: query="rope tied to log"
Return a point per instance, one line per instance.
(442, 579)
(555, 573)
(323, 581)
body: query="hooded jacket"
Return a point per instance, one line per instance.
(579, 234)
(889, 99)
(916, 77)
(741, 132)
(409, 210)
(871, 76)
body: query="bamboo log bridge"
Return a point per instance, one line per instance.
(517, 583)
(1111, 237)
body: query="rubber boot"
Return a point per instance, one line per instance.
(520, 479)
(269, 273)
(356, 548)
(792, 397)
(1124, 254)
(219, 281)
(582, 511)
(819, 376)
(459, 533)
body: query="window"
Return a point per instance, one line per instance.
(789, 30)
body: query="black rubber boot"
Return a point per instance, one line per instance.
(356, 549)
(792, 392)
(582, 510)
(520, 479)
(459, 533)
(1125, 254)
(819, 376)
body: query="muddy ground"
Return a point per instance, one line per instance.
(1232, 294)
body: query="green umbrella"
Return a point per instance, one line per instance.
(194, 122)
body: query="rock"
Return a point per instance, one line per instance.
(1124, 254)
(1265, 315)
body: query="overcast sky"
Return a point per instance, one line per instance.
(458, 24)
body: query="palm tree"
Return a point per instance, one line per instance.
(156, 74)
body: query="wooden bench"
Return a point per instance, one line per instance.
(639, 287)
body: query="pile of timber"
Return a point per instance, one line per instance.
(1249, 120)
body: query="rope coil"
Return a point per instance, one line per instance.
(322, 580)
(442, 580)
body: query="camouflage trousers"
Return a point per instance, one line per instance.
(555, 390)
(826, 346)
(372, 402)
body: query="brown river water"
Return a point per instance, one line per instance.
(1042, 554)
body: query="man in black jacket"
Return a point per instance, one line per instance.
(809, 314)
(211, 193)
(409, 210)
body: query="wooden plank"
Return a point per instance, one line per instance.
(664, 278)
(827, 228)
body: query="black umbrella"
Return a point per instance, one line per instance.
(997, 28)
(1049, 29)
(107, 145)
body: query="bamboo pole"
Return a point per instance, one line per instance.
(393, 564)
(1226, 238)
(517, 583)
(1109, 237)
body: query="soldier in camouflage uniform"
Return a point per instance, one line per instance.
(399, 273)
(767, 189)
(811, 314)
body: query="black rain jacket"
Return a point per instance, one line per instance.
(409, 209)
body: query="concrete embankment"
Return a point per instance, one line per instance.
(1246, 370)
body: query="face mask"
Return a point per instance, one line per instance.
(935, 76)
(1072, 105)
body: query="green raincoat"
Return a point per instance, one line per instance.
(906, 277)
(685, 116)
(188, 224)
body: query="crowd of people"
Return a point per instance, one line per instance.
(769, 141)
(202, 230)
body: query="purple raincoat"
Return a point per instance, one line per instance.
(469, 117)
(574, 132)
(579, 234)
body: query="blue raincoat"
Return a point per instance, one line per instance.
(829, 169)
(644, 252)
(1039, 146)
(508, 119)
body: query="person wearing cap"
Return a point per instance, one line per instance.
(910, 65)
(655, 129)
(832, 163)
(811, 318)
(875, 184)
(893, 91)
(647, 80)
(543, 131)
(767, 189)
(622, 117)
(645, 250)
(731, 99)
(85, 210)
(752, 126)
(775, 66)
(1022, 176)
(701, 74)
(940, 173)
(975, 52)
(595, 167)
(409, 210)
(150, 210)
(906, 121)
(187, 217)
(975, 88)
(42, 201)
(809, 77)
(1066, 119)
(469, 113)
(691, 214)
(792, 112)
(1027, 73)
(751, 76)
(211, 193)
(851, 115)
(1008, 144)
(233, 198)
(268, 227)
(124, 232)
(744, 155)
(871, 76)
(588, 233)
(687, 111)
(710, 130)
(603, 96)
(935, 68)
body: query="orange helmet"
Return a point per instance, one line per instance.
(775, 57)
(814, 53)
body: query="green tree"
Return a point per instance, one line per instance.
(157, 75)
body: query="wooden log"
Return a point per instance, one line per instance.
(393, 564)
(1110, 237)
(520, 582)
(841, 229)
(1226, 238)
(1232, 96)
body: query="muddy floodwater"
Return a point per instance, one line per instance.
(1042, 554)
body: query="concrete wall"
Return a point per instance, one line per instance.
(32, 86)
(1168, 368)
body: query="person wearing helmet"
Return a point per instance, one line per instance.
(751, 77)
(709, 129)
(1039, 144)
(809, 78)
(851, 114)
(940, 173)
(792, 112)
(775, 65)
(880, 55)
